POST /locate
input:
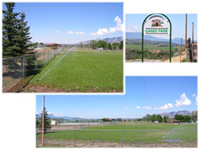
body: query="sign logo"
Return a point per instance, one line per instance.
(156, 25)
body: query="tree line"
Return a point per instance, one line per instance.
(182, 118)
(16, 36)
(103, 44)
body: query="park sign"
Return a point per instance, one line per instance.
(156, 24)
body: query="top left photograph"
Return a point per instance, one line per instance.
(62, 47)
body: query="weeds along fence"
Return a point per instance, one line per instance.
(118, 138)
(17, 68)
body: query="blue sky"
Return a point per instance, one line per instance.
(134, 24)
(72, 22)
(144, 95)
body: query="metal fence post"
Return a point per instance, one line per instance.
(74, 138)
(170, 137)
(122, 138)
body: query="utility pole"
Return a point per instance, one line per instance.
(192, 32)
(181, 49)
(186, 34)
(43, 120)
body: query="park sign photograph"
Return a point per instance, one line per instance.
(156, 24)
(158, 37)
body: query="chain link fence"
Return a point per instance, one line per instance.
(118, 138)
(17, 68)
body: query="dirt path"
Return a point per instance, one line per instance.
(177, 58)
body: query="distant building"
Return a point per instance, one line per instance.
(53, 122)
(99, 49)
(175, 121)
(156, 122)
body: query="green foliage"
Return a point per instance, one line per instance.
(81, 44)
(109, 46)
(15, 32)
(152, 118)
(47, 121)
(105, 119)
(184, 60)
(182, 118)
(121, 45)
(93, 44)
(103, 44)
(119, 119)
(159, 118)
(165, 119)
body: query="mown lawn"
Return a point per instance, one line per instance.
(143, 133)
(83, 71)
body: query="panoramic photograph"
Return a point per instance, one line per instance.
(161, 38)
(156, 111)
(62, 47)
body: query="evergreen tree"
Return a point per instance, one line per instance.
(121, 45)
(10, 31)
(159, 118)
(165, 118)
(47, 121)
(15, 32)
(23, 35)
(109, 46)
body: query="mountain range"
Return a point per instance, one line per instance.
(169, 114)
(138, 35)
(108, 40)
(173, 113)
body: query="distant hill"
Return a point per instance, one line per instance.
(173, 113)
(138, 35)
(63, 117)
(109, 40)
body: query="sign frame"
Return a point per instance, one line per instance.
(170, 34)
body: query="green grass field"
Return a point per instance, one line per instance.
(113, 133)
(83, 71)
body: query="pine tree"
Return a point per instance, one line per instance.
(109, 46)
(10, 31)
(16, 37)
(47, 121)
(23, 35)
(121, 45)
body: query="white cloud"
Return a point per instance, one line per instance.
(70, 32)
(155, 108)
(147, 107)
(76, 32)
(166, 106)
(103, 31)
(183, 100)
(126, 107)
(138, 107)
(194, 95)
(196, 100)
